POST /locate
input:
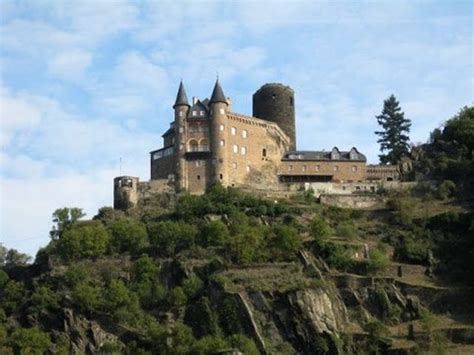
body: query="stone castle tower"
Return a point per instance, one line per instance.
(208, 143)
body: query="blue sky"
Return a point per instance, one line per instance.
(84, 83)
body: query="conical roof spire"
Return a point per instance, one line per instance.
(217, 94)
(181, 98)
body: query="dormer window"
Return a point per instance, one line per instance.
(335, 155)
(201, 113)
(353, 154)
(194, 113)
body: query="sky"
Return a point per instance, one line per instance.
(84, 84)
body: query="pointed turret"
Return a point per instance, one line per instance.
(218, 94)
(181, 98)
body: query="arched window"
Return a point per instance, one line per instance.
(193, 145)
(203, 145)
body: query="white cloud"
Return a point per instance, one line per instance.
(70, 64)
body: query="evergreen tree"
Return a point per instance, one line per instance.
(394, 136)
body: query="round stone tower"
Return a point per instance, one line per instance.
(276, 102)
(125, 192)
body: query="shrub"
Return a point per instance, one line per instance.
(30, 341)
(244, 344)
(244, 247)
(144, 269)
(336, 256)
(75, 274)
(87, 298)
(127, 235)
(285, 242)
(42, 299)
(202, 319)
(83, 240)
(346, 230)
(378, 261)
(215, 233)
(12, 296)
(446, 189)
(192, 285)
(319, 229)
(177, 297)
(403, 207)
(171, 237)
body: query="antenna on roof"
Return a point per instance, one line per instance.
(217, 75)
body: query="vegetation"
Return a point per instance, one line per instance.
(394, 134)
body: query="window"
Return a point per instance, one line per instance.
(181, 129)
(336, 168)
(221, 127)
(199, 177)
(316, 168)
(221, 111)
(222, 143)
(181, 146)
(235, 148)
(264, 152)
(245, 134)
(198, 163)
(303, 168)
(201, 113)
(194, 113)
(181, 113)
(290, 167)
(247, 168)
(203, 145)
(354, 168)
(234, 165)
(233, 131)
(220, 176)
(243, 150)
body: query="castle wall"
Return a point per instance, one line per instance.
(336, 170)
(383, 172)
(199, 172)
(254, 150)
(163, 167)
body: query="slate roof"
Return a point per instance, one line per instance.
(181, 97)
(217, 94)
(317, 155)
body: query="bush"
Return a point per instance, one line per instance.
(346, 230)
(172, 237)
(337, 256)
(87, 298)
(42, 299)
(12, 296)
(245, 246)
(285, 242)
(319, 229)
(127, 235)
(177, 297)
(215, 233)
(30, 341)
(378, 261)
(202, 319)
(446, 189)
(192, 286)
(83, 240)
(403, 207)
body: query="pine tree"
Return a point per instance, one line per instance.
(394, 136)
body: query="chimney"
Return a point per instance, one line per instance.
(195, 99)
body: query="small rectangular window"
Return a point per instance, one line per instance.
(201, 113)
(221, 111)
(248, 168)
(181, 113)
(194, 113)
(264, 152)
(316, 168)
(235, 148)
(290, 167)
(221, 127)
(303, 168)
(243, 150)
(245, 134)
(222, 142)
(220, 176)
(234, 165)
(233, 131)
(199, 177)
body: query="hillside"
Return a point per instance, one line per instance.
(228, 272)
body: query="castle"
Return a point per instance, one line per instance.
(208, 143)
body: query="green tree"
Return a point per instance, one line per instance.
(12, 295)
(15, 258)
(127, 235)
(319, 229)
(42, 299)
(64, 218)
(394, 134)
(286, 241)
(215, 233)
(30, 341)
(171, 237)
(88, 298)
(83, 240)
